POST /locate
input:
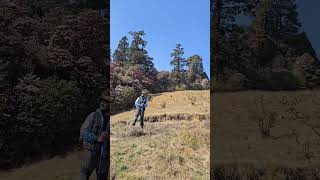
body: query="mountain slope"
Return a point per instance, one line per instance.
(174, 144)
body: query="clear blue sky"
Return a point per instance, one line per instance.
(165, 22)
(309, 17)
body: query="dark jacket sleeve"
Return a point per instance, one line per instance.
(86, 133)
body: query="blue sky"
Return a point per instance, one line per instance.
(309, 15)
(165, 22)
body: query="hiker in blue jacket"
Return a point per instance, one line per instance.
(95, 137)
(141, 103)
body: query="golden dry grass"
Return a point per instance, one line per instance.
(176, 103)
(238, 148)
(174, 143)
(167, 149)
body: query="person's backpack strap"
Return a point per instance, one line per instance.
(94, 117)
(91, 126)
(101, 119)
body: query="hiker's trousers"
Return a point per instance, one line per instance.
(139, 112)
(89, 162)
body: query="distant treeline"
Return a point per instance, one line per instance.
(132, 70)
(270, 53)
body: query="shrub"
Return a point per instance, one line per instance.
(205, 83)
(163, 81)
(46, 115)
(135, 132)
(52, 75)
(122, 98)
(181, 87)
(282, 80)
(266, 120)
(234, 82)
(190, 140)
(195, 86)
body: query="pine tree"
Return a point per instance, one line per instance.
(195, 64)
(195, 68)
(121, 53)
(259, 31)
(215, 35)
(223, 23)
(281, 17)
(178, 63)
(262, 21)
(224, 14)
(138, 53)
(285, 17)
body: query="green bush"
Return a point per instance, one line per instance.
(282, 80)
(163, 81)
(195, 86)
(46, 119)
(234, 82)
(205, 83)
(122, 98)
(52, 70)
(181, 87)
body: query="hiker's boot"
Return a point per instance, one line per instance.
(134, 123)
(141, 126)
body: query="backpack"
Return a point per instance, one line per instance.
(142, 100)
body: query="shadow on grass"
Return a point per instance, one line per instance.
(242, 171)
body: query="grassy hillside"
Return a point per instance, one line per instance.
(239, 148)
(173, 145)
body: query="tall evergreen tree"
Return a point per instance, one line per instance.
(224, 13)
(178, 63)
(259, 35)
(282, 16)
(285, 17)
(195, 64)
(121, 53)
(215, 33)
(138, 53)
(260, 27)
(195, 68)
(260, 24)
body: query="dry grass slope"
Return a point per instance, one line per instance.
(173, 145)
(239, 150)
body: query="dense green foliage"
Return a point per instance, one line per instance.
(132, 70)
(269, 53)
(53, 66)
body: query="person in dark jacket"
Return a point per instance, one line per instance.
(141, 103)
(95, 137)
